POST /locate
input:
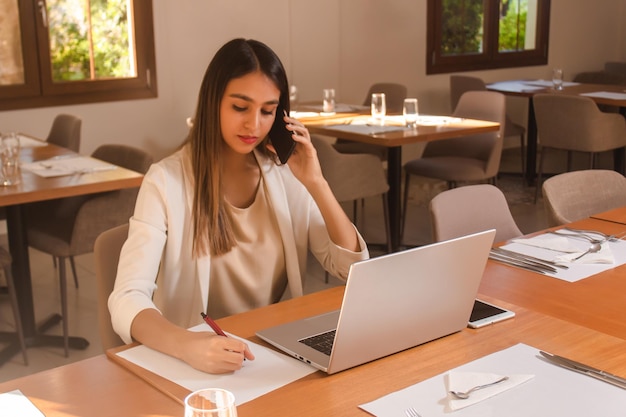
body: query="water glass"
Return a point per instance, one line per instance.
(557, 78)
(10, 159)
(293, 96)
(379, 107)
(210, 402)
(329, 100)
(410, 112)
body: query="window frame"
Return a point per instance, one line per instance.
(490, 58)
(39, 90)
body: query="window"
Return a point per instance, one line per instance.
(59, 52)
(467, 35)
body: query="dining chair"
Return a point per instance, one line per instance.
(394, 100)
(474, 158)
(6, 262)
(575, 195)
(65, 132)
(353, 177)
(106, 249)
(68, 227)
(471, 209)
(460, 84)
(575, 124)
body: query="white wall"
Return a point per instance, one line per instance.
(345, 44)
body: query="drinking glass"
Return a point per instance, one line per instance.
(10, 159)
(210, 402)
(379, 107)
(329, 100)
(410, 112)
(557, 78)
(293, 96)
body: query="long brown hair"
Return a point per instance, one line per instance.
(212, 231)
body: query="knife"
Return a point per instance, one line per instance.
(585, 369)
(514, 262)
(511, 254)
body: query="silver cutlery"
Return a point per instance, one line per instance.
(411, 412)
(542, 269)
(522, 256)
(609, 238)
(595, 247)
(579, 236)
(585, 369)
(465, 395)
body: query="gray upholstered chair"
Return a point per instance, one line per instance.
(576, 195)
(68, 227)
(473, 158)
(5, 263)
(575, 124)
(65, 132)
(394, 99)
(471, 209)
(460, 84)
(353, 177)
(107, 250)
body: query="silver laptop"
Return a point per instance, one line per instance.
(391, 303)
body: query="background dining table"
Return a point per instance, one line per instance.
(528, 88)
(34, 188)
(393, 140)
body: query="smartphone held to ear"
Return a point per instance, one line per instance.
(280, 137)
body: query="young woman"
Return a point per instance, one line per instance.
(219, 226)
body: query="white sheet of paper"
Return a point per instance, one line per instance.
(576, 271)
(366, 129)
(28, 142)
(70, 165)
(550, 84)
(515, 86)
(269, 371)
(554, 391)
(607, 94)
(14, 403)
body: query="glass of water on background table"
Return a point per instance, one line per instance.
(210, 402)
(10, 159)
(410, 112)
(557, 78)
(379, 107)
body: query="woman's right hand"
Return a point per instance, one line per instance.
(204, 351)
(215, 354)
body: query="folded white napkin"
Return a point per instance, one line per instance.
(464, 381)
(570, 249)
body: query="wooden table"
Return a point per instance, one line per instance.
(597, 302)
(393, 141)
(100, 387)
(34, 188)
(617, 215)
(525, 89)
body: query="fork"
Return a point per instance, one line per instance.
(411, 412)
(590, 233)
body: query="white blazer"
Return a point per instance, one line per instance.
(156, 268)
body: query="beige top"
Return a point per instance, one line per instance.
(253, 273)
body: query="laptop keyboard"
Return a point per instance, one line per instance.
(322, 342)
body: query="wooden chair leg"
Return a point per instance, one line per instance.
(64, 309)
(73, 265)
(407, 179)
(539, 174)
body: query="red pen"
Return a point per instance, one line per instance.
(208, 320)
(213, 325)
